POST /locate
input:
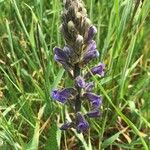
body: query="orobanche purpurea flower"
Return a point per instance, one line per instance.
(80, 48)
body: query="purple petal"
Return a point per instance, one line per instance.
(92, 31)
(91, 46)
(65, 64)
(66, 126)
(61, 54)
(58, 59)
(62, 57)
(95, 100)
(56, 95)
(80, 81)
(94, 113)
(82, 124)
(63, 95)
(89, 86)
(68, 91)
(96, 70)
(88, 56)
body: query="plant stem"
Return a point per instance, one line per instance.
(77, 100)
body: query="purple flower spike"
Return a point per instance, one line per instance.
(82, 124)
(79, 50)
(96, 70)
(89, 86)
(88, 56)
(95, 100)
(94, 113)
(63, 95)
(80, 82)
(66, 126)
(92, 31)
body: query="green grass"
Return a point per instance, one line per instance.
(30, 119)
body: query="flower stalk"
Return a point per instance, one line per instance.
(79, 50)
(77, 99)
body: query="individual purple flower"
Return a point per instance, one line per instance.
(91, 32)
(66, 126)
(82, 124)
(62, 57)
(61, 54)
(89, 55)
(95, 100)
(94, 113)
(91, 46)
(96, 70)
(80, 82)
(89, 86)
(63, 95)
(66, 65)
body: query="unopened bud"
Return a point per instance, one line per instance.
(78, 15)
(87, 22)
(79, 39)
(71, 25)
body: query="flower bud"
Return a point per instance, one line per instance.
(63, 95)
(66, 126)
(94, 113)
(95, 100)
(71, 26)
(80, 82)
(79, 42)
(82, 124)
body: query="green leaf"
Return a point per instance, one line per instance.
(34, 145)
(53, 140)
(110, 140)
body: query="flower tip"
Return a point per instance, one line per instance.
(99, 70)
(54, 94)
(94, 29)
(66, 126)
(79, 40)
(94, 113)
(56, 58)
(55, 49)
